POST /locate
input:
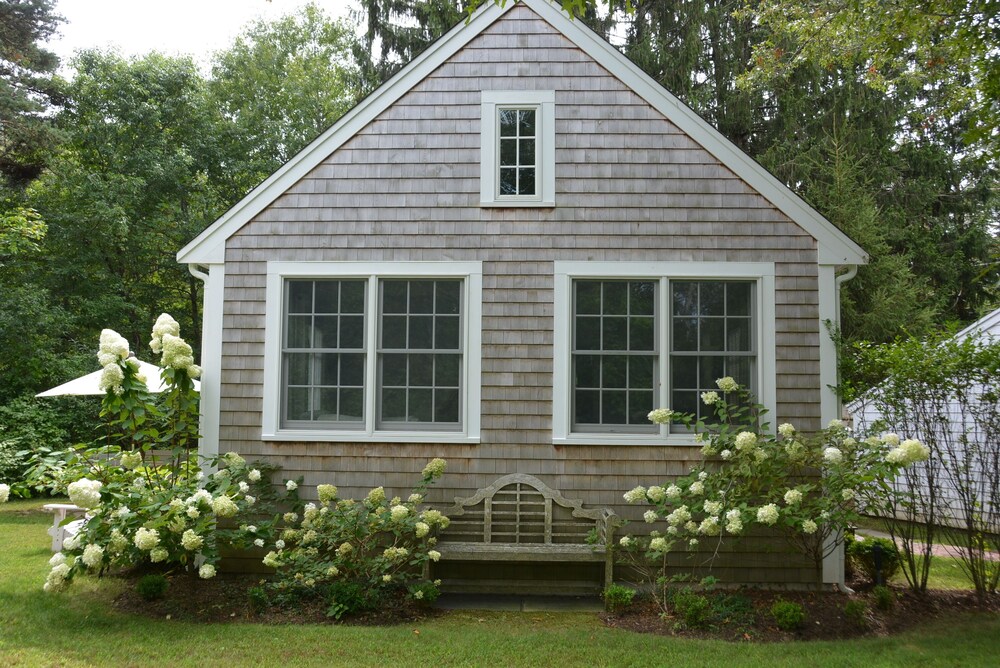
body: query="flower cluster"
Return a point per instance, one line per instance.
(4, 493)
(85, 492)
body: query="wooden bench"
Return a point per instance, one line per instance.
(520, 518)
(60, 531)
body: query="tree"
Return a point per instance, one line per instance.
(28, 88)
(279, 86)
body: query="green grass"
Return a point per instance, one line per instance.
(79, 628)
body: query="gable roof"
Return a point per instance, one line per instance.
(834, 247)
(987, 327)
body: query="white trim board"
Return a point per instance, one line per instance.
(834, 247)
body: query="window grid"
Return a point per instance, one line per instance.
(712, 335)
(516, 151)
(420, 353)
(614, 354)
(323, 353)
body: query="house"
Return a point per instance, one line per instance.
(506, 256)
(964, 479)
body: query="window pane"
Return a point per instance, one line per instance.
(446, 405)
(447, 370)
(298, 404)
(298, 368)
(639, 405)
(685, 334)
(326, 296)
(352, 296)
(393, 296)
(684, 372)
(508, 181)
(642, 334)
(710, 370)
(713, 299)
(526, 122)
(421, 405)
(394, 370)
(588, 333)
(299, 331)
(588, 370)
(421, 370)
(394, 404)
(738, 334)
(640, 371)
(508, 122)
(326, 408)
(741, 369)
(613, 408)
(738, 299)
(446, 333)
(394, 332)
(614, 371)
(352, 404)
(508, 152)
(526, 181)
(448, 297)
(642, 298)
(526, 152)
(685, 402)
(300, 296)
(713, 334)
(615, 333)
(615, 298)
(421, 332)
(352, 369)
(587, 407)
(421, 296)
(327, 365)
(352, 331)
(684, 296)
(325, 333)
(588, 297)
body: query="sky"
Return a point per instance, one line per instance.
(192, 27)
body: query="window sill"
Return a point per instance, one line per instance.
(683, 440)
(516, 203)
(366, 437)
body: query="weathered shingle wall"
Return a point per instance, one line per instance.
(629, 186)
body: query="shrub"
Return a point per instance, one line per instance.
(257, 598)
(884, 597)
(12, 461)
(152, 587)
(425, 593)
(788, 615)
(694, 609)
(618, 597)
(349, 597)
(856, 611)
(861, 553)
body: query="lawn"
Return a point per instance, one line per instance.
(80, 628)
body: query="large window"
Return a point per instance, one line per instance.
(630, 337)
(389, 352)
(518, 148)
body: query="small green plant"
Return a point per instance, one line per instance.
(152, 587)
(861, 553)
(856, 612)
(618, 597)
(884, 597)
(694, 609)
(425, 592)
(788, 615)
(348, 597)
(257, 597)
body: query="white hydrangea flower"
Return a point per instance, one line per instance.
(57, 558)
(693, 542)
(4, 493)
(914, 451)
(132, 460)
(206, 572)
(345, 549)
(112, 348)
(713, 507)
(191, 541)
(435, 468)
(833, 455)
(709, 526)
(375, 496)
(649, 516)
(56, 579)
(787, 430)
(118, 542)
(433, 517)
(703, 476)
(421, 529)
(259, 542)
(660, 415)
(727, 384)
(253, 475)
(223, 506)
(679, 516)
(433, 555)
(176, 352)
(746, 440)
(271, 560)
(895, 456)
(244, 487)
(111, 379)
(658, 544)
(310, 511)
(697, 488)
(848, 494)
(673, 492)
(163, 325)
(691, 526)
(726, 454)
(399, 513)
(93, 556)
(193, 512)
(146, 539)
(158, 554)
(792, 497)
(767, 514)
(85, 492)
(233, 459)
(327, 493)
(835, 424)
(415, 498)
(656, 494)
(70, 543)
(710, 398)
(635, 495)
(809, 527)
(625, 541)
(891, 439)
(250, 499)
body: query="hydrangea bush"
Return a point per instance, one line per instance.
(807, 487)
(148, 501)
(354, 553)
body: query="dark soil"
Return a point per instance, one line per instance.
(226, 599)
(825, 615)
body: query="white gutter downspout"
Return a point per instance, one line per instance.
(213, 276)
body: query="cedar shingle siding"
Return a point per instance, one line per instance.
(629, 186)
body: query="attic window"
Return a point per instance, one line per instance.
(518, 148)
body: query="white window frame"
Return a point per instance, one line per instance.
(472, 298)
(543, 102)
(760, 273)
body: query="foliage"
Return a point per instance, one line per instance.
(943, 389)
(861, 552)
(694, 609)
(884, 597)
(278, 86)
(788, 615)
(152, 586)
(810, 489)
(617, 597)
(856, 612)
(356, 553)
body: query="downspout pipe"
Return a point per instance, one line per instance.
(852, 271)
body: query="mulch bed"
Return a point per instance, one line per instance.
(825, 615)
(225, 599)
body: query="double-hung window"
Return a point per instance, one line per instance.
(357, 351)
(518, 148)
(631, 337)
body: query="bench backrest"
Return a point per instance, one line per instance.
(520, 509)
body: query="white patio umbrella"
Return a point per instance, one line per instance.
(88, 385)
